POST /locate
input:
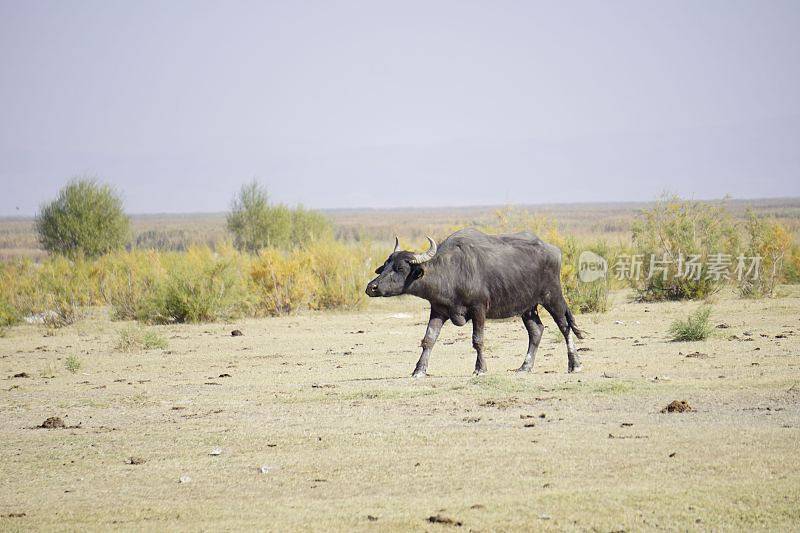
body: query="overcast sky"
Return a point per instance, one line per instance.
(388, 104)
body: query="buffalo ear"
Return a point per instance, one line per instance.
(380, 269)
(417, 273)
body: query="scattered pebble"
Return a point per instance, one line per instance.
(697, 355)
(216, 451)
(236, 333)
(21, 375)
(135, 460)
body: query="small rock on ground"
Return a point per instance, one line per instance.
(677, 406)
(53, 422)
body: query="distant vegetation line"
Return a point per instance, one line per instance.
(607, 220)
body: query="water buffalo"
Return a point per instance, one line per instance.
(475, 276)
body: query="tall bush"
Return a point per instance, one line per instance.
(341, 273)
(129, 282)
(87, 219)
(771, 243)
(256, 224)
(8, 315)
(793, 264)
(52, 292)
(200, 286)
(283, 281)
(309, 227)
(673, 236)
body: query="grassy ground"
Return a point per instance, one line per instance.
(351, 442)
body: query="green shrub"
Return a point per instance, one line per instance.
(696, 327)
(72, 364)
(8, 315)
(253, 222)
(675, 231)
(134, 339)
(86, 219)
(256, 224)
(309, 227)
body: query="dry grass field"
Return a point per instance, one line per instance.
(349, 442)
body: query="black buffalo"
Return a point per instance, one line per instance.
(474, 276)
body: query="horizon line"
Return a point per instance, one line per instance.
(442, 207)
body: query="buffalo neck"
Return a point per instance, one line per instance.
(430, 286)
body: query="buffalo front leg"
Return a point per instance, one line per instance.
(435, 324)
(535, 328)
(478, 319)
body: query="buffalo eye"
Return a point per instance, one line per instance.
(417, 273)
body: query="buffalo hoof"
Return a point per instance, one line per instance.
(479, 372)
(575, 370)
(524, 368)
(419, 374)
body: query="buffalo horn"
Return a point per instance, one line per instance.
(425, 256)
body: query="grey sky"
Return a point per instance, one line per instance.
(346, 104)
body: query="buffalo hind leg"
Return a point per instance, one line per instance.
(478, 320)
(535, 328)
(563, 319)
(435, 324)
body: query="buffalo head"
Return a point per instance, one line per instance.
(399, 271)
